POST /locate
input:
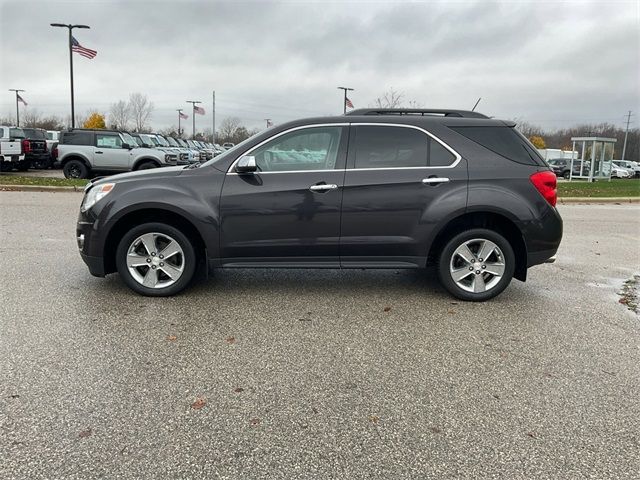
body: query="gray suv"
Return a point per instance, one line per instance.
(81, 152)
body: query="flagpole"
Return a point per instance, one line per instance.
(70, 28)
(344, 103)
(17, 108)
(193, 113)
(179, 117)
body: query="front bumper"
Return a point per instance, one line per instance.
(89, 247)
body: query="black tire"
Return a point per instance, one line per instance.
(566, 175)
(23, 166)
(147, 165)
(75, 169)
(447, 257)
(42, 164)
(189, 258)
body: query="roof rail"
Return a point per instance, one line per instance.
(417, 111)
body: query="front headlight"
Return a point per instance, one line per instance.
(95, 194)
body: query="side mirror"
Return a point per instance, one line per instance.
(247, 164)
(127, 146)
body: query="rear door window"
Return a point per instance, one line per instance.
(505, 141)
(398, 147)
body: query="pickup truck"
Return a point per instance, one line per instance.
(11, 155)
(35, 148)
(82, 152)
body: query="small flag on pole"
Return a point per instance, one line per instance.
(85, 52)
(348, 102)
(21, 100)
(184, 116)
(198, 110)
(269, 124)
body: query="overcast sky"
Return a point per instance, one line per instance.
(550, 63)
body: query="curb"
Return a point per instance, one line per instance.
(39, 188)
(596, 200)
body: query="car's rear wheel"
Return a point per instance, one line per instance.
(156, 259)
(566, 175)
(75, 169)
(476, 265)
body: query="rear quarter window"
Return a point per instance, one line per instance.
(76, 138)
(505, 141)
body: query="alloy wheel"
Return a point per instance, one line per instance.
(477, 265)
(155, 260)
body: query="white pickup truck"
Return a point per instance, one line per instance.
(11, 155)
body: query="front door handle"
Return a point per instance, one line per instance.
(323, 187)
(98, 152)
(435, 180)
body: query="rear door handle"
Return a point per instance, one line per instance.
(323, 187)
(98, 152)
(435, 180)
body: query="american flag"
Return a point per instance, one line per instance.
(85, 52)
(184, 116)
(20, 99)
(198, 110)
(269, 123)
(348, 102)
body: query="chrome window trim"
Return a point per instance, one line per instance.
(457, 156)
(284, 132)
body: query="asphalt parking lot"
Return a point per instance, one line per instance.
(316, 374)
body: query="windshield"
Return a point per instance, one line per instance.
(35, 133)
(162, 140)
(149, 140)
(16, 133)
(129, 139)
(225, 154)
(181, 142)
(172, 142)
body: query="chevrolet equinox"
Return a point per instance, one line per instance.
(372, 189)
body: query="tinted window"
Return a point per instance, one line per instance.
(504, 141)
(438, 155)
(308, 149)
(384, 147)
(76, 138)
(108, 141)
(34, 133)
(16, 133)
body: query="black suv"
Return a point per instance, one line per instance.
(372, 189)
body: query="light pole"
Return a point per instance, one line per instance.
(344, 103)
(17, 109)
(71, 27)
(193, 113)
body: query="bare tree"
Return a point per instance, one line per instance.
(140, 108)
(389, 99)
(30, 118)
(228, 128)
(119, 115)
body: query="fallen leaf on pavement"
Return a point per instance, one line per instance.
(387, 309)
(255, 421)
(172, 338)
(199, 403)
(239, 389)
(374, 418)
(85, 433)
(231, 339)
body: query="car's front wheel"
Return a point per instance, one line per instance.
(156, 259)
(476, 265)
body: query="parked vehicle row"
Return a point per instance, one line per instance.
(619, 168)
(11, 153)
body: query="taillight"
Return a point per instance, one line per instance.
(546, 183)
(46, 147)
(26, 146)
(54, 152)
